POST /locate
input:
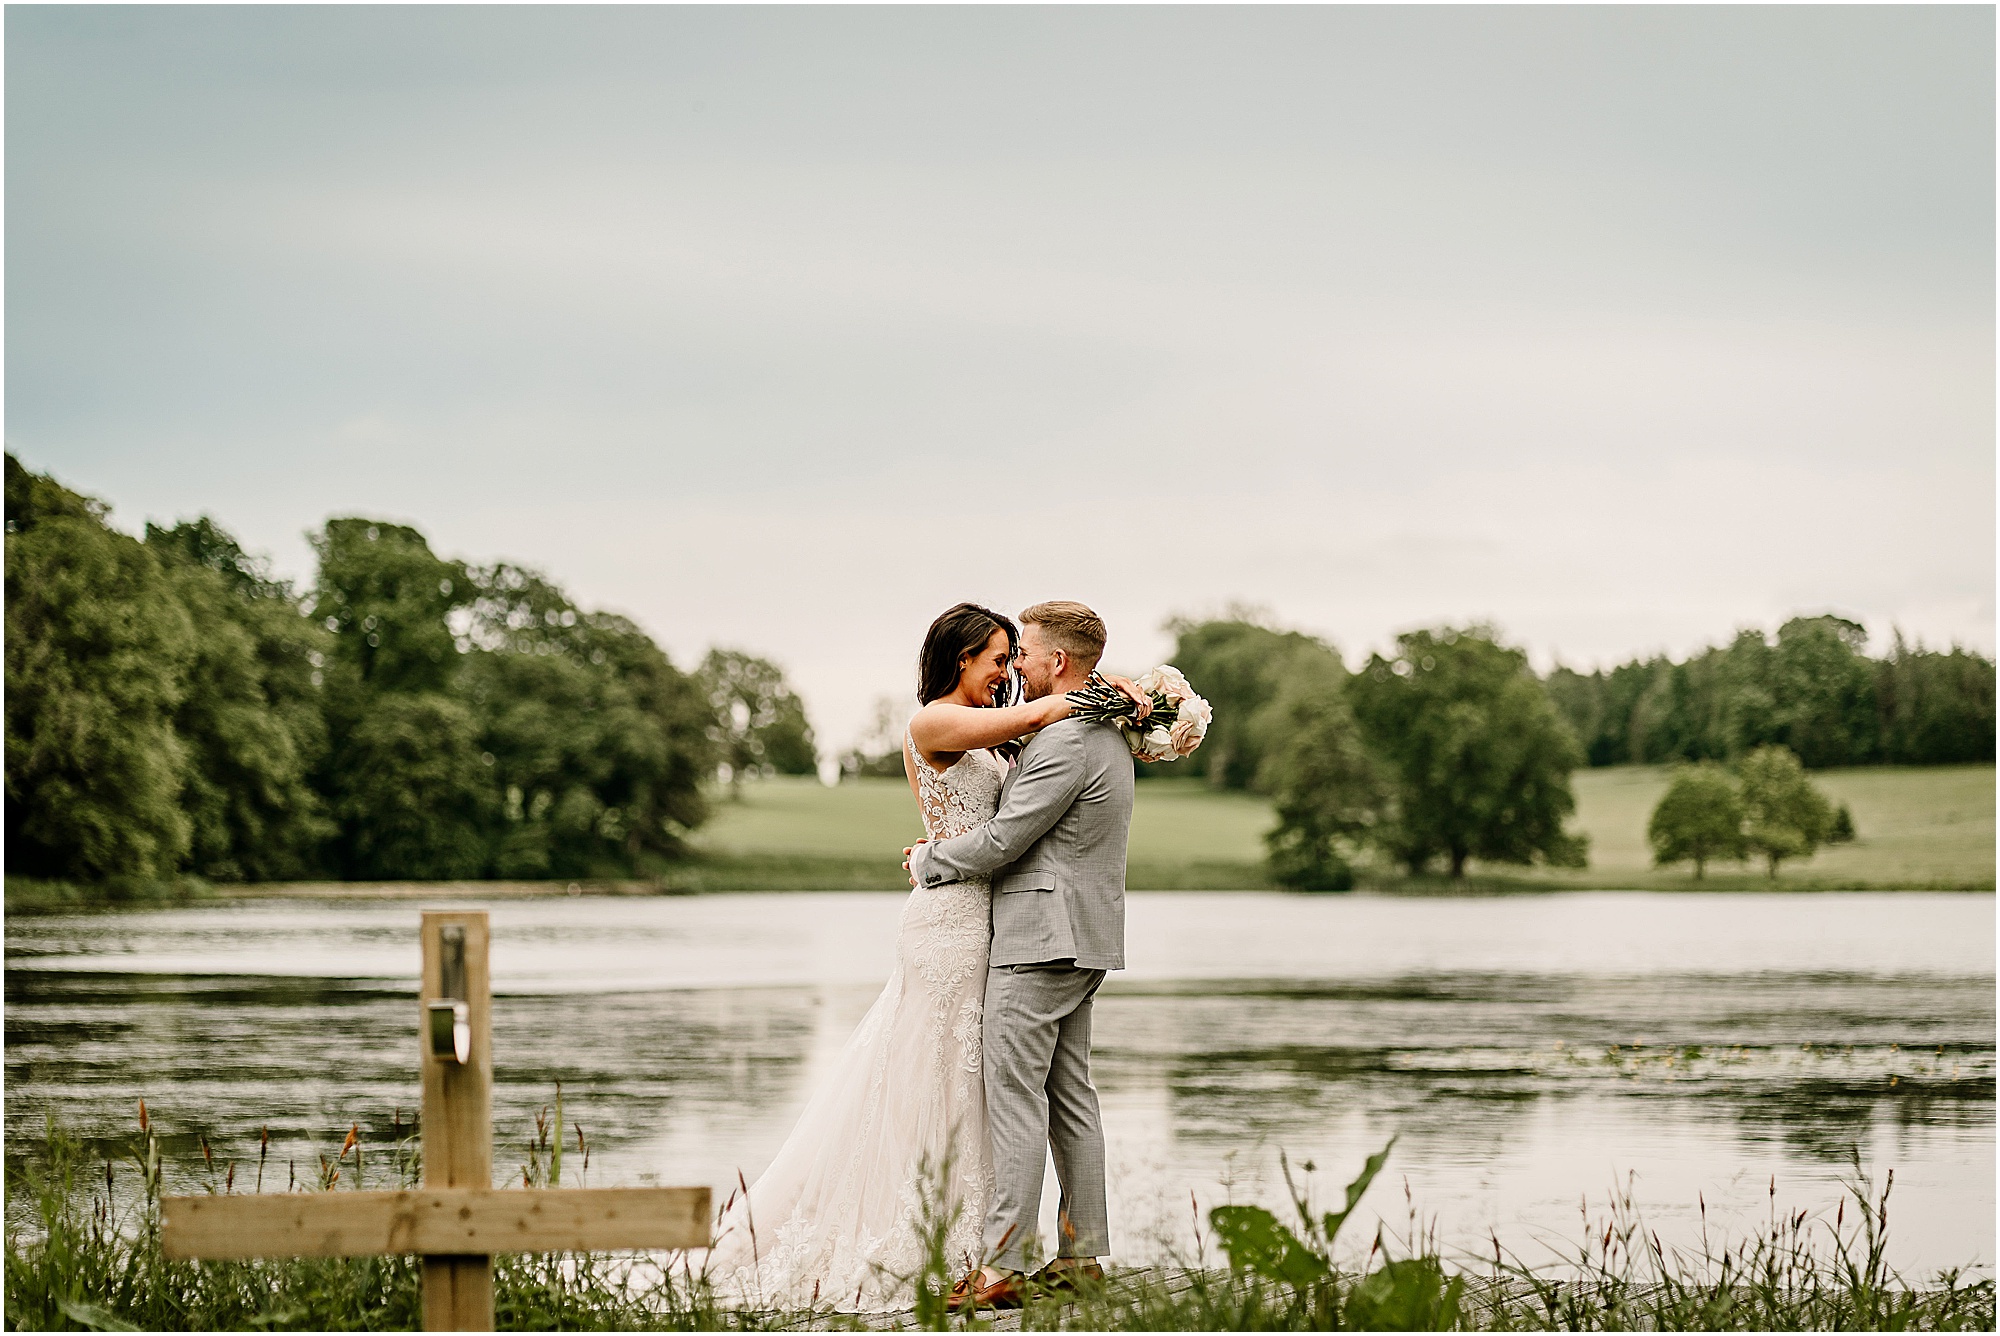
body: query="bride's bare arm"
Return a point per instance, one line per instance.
(943, 727)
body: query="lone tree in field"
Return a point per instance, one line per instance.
(1701, 817)
(1327, 789)
(1480, 758)
(1786, 816)
(760, 722)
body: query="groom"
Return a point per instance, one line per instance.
(1055, 851)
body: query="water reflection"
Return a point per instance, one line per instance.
(1526, 1050)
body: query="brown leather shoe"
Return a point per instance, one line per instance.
(974, 1293)
(1063, 1274)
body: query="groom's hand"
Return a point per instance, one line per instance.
(906, 860)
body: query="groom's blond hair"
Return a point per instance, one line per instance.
(1071, 628)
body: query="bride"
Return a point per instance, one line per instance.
(835, 1218)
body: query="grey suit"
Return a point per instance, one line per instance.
(1056, 852)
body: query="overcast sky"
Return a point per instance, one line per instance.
(786, 328)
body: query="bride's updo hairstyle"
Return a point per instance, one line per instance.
(960, 631)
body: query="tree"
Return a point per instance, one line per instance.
(878, 753)
(599, 744)
(1785, 816)
(404, 777)
(97, 653)
(1824, 691)
(760, 723)
(250, 717)
(1479, 757)
(1328, 790)
(1812, 691)
(1935, 708)
(386, 599)
(1241, 665)
(1700, 817)
(414, 800)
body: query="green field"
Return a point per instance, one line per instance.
(1929, 827)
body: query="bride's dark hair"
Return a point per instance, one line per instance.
(960, 630)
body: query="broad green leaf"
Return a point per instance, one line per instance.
(1255, 1241)
(1356, 1189)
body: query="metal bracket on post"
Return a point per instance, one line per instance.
(449, 1018)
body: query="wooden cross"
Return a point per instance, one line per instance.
(457, 1220)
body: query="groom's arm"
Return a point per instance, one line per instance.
(1052, 774)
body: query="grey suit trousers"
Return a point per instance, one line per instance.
(1039, 1099)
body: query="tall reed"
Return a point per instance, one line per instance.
(82, 1255)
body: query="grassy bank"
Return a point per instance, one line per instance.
(31, 895)
(1920, 828)
(76, 1259)
(800, 835)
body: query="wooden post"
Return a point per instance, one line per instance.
(457, 1220)
(458, 1109)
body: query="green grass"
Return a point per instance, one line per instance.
(1929, 827)
(799, 834)
(33, 895)
(1919, 827)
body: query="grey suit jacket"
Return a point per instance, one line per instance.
(1055, 850)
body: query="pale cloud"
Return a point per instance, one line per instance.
(1621, 327)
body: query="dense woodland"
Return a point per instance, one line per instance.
(173, 709)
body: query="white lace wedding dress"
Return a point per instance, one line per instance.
(835, 1217)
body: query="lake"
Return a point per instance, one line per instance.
(1530, 1051)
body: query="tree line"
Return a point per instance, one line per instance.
(174, 708)
(1811, 689)
(1450, 748)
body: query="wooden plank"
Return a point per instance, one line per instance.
(458, 1122)
(457, 1221)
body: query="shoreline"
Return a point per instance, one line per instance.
(761, 875)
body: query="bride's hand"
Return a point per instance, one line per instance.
(1130, 688)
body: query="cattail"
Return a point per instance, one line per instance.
(229, 1180)
(353, 1140)
(144, 1127)
(207, 1157)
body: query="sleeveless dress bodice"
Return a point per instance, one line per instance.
(961, 796)
(838, 1210)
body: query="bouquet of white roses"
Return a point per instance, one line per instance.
(1176, 726)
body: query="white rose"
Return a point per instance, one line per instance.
(1170, 683)
(1149, 681)
(1159, 740)
(1196, 709)
(1186, 736)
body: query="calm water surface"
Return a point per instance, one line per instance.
(1530, 1051)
